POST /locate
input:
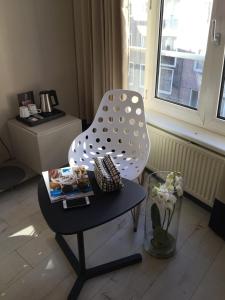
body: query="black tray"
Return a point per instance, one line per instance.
(56, 113)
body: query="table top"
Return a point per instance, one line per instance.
(103, 207)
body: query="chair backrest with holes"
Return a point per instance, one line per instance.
(118, 129)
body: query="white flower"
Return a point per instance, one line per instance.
(172, 198)
(160, 198)
(170, 188)
(163, 194)
(178, 180)
(170, 179)
(169, 205)
(163, 188)
(155, 191)
(179, 190)
(170, 176)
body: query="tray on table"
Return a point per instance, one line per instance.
(33, 121)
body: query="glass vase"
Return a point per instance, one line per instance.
(162, 215)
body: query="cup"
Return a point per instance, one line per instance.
(24, 112)
(33, 109)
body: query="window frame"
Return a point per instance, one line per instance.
(205, 115)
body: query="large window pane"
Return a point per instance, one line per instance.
(137, 44)
(184, 33)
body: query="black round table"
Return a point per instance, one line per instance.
(103, 208)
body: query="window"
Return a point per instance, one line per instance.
(184, 39)
(131, 73)
(166, 81)
(185, 76)
(131, 40)
(168, 61)
(193, 98)
(198, 66)
(143, 41)
(137, 43)
(142, 75)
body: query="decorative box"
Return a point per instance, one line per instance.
(107, 175)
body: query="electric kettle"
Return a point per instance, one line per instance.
(48, 100)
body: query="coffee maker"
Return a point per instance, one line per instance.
(48, 99)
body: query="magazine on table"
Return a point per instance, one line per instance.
(67, 183)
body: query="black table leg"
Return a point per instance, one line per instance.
(81, 252)
(80, 267)
(68, 252)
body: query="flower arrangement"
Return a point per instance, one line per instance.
(164, 197)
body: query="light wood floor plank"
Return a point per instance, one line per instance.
(38, 282)
(62, 290)
(213, 286)
(16, 236)
(197, 271)
(39, 247)
(186, 270)
(19, 202)
(12, 267)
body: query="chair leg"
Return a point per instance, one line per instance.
(135, 214)
(141, 178)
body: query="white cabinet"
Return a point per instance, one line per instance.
(44, 146)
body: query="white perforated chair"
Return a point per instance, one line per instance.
(118, 129)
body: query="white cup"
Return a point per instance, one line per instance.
(33, 109)
(24, 112)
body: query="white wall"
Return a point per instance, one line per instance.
(36, 53)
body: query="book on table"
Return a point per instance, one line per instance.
(67, 183)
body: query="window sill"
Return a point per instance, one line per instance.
(194, 134)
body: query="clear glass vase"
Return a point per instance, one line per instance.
(162, 213)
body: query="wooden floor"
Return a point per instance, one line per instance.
(33, 267)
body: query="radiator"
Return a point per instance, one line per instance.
(201, 168)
